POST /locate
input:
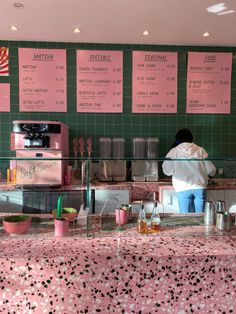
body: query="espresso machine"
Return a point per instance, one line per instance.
(112, 168)
(35, 141)
(145, 150)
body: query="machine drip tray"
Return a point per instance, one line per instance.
(138, 178)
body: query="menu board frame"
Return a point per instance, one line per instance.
(99, 81)
(208, 89)
(42, 80)
(154, 82)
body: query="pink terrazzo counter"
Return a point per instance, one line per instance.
(189, 269)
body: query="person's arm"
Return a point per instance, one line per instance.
(168, 166)
(210, 168)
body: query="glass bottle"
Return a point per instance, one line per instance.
(142, 221)
(155, 219)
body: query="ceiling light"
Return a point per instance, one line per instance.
(76, 30)
(14, 28)
(206, 34)
(226, 12)
(18, 5)
(146, 33)
(216, 8)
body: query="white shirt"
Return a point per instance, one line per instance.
(188, 175)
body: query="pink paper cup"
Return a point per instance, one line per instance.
(61, 227)
(123, 216)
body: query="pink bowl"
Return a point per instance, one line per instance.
(16, 227)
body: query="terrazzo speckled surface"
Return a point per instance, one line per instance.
(191, 269)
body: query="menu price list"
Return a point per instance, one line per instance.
(42, 75)
(209, 82)
(154, 82)
(99, 81)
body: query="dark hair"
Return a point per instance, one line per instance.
(183, 135)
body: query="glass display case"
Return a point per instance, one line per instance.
(96, 203)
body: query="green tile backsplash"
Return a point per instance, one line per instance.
(217, 133)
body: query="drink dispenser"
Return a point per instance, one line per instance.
(152, 149)
(105, 147)
(138, 147)
(137, 166)
(118, 152)
(146, 169)
(105, 166)
(112, 150)
(118, 147)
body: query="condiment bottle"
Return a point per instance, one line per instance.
(155, 219)
(142, 221)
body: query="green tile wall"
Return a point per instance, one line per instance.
(215, 132)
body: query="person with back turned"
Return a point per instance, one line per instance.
(189, 178)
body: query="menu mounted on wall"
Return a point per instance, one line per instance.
(42, 80)
(99, 81)
(154, 82)
(209, 82)
(4, 97)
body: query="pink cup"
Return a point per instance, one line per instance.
(61, 227)
(123, 216)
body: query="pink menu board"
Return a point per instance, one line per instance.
(4, 97)
(42, 80)
(99, 81)
(154, 82)
(209, 82)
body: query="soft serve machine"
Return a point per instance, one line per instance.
(145, 149)
(40, 139)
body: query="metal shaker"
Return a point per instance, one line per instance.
(209, 214)
(223, 221)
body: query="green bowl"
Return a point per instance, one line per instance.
(68, 213)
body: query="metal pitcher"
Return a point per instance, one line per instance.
(223, 221)
(220, 207)
(209, 214)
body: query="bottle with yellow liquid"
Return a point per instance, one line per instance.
(11, 176)
(155, 219)
(142, 221)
